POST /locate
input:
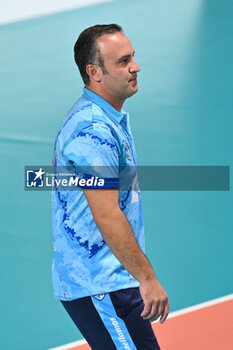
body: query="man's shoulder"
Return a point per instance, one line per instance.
(86, 112)
(82, 109)
(85, 119)
(89, 115)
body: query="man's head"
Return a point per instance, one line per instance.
(105, 58)
(86, 50)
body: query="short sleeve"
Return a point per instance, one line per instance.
(94, 152)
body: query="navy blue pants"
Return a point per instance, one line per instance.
(112, 321)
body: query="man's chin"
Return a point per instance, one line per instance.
(133, 90)
(130, 92)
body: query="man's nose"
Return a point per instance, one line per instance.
(134, 66)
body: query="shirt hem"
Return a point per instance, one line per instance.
(132, 285)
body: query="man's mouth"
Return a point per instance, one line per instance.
(133, 79)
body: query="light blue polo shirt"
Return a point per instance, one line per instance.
(97, 135)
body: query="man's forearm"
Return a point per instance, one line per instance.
(120, 238)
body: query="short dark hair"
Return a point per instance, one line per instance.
(86, 50)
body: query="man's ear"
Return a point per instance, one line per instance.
(94, 72)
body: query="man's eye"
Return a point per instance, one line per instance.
(124, 60)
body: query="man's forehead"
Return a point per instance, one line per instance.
(115, 45)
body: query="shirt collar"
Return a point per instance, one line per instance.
(104, 104)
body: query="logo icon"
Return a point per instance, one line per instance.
(35, 178)
(99, 296)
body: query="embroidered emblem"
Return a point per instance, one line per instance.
(99, 296)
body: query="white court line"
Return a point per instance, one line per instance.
(200, 306)
(70, 345)
(171, 315)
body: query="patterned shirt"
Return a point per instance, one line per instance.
(97, 135)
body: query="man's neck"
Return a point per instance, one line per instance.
(117, 104)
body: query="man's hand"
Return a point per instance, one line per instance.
(155, 299)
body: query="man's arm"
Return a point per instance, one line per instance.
(118, 235)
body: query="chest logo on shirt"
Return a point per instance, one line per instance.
(127, 150)
(99, 296)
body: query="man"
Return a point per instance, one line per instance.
(100, 272)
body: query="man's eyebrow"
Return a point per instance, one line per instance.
(125, 56)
